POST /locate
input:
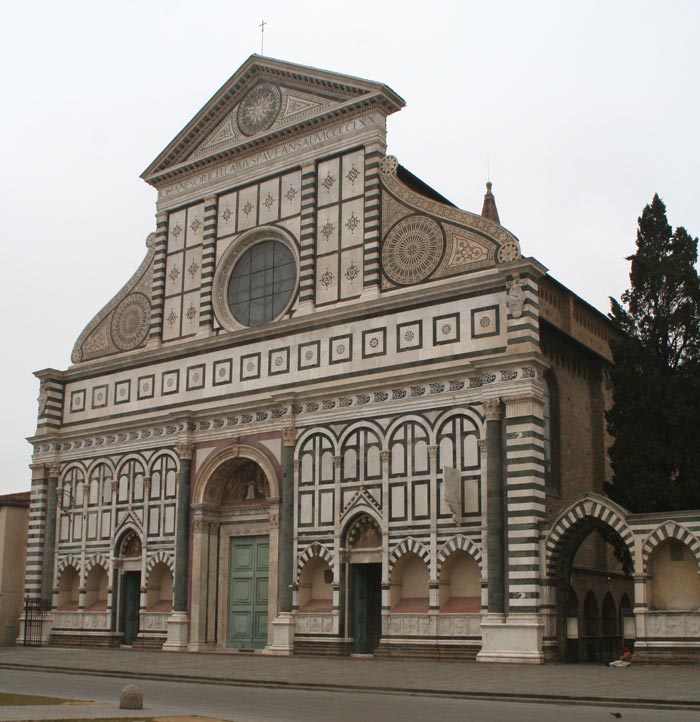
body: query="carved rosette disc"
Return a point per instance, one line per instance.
(508, 252)
(259, 109)
(412, 250)
(130, 321)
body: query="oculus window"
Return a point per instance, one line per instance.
(256, 279)
(262, 283)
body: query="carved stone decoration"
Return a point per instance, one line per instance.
(43, 397)
(493, 409)
(389, 165)
(289, 436)
(130, 322)
(509, 251)
(412, 250)
(184, 449)
(259, 109)
(516, 297)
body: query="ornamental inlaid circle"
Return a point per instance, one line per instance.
(130, 321)
(508, 252)
(412, 250)
(259, 109)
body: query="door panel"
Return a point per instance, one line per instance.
(249, 592)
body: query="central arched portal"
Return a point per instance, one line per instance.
(591, 568)
(235, 551)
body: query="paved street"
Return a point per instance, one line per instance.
(253, 704)
(553, 682)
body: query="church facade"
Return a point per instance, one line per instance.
(331, 413)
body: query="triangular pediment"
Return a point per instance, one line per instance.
(263, 100)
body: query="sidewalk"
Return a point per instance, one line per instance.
(643, 684)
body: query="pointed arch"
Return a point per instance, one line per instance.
(459, 542)
(315, 549)
(670, 530)
(409, 545)
(361, 501)
(587, 507)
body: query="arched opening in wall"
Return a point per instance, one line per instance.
(460, 584)
(129, 552)
(235, 572)
(673, 583)
(609, 614)
(362, 583)
(96, 590)
(68, 589)
(594, 564)
(316, 586)
(409, 586)
(159, 590)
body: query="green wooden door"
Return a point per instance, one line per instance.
(131, 590)
(249, 582)
(366, 603)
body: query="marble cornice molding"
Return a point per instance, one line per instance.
(378, 396)
(346, 110)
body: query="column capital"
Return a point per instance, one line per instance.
(146, 483)
(297, 464)
(337, 461)
(54, 469)
(289, 436)
(184, 449)
(482, 444)
(210, 200)
(115, 485)
(385, 456)
(493, 408)
(433, 451)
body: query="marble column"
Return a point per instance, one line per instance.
(284, 626)
(49, 535)
(494, 506)
(178, 622)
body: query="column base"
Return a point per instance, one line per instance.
(516, 639)
(178, 633)
(283, 629)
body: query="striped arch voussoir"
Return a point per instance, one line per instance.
(314, 550)
(159, 557)
(96, 560)
(460, 543)
(406, 546)
(67, 561)
(593, 508)
(670, 530)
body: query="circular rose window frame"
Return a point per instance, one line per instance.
(228, 261)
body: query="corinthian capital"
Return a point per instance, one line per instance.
(184, 449)
(493, 408)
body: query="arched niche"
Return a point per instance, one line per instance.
(673, 583)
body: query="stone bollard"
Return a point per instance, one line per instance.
(131, 697)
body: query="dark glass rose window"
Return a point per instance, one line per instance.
(262, 283)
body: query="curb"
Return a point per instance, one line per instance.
(595, 701)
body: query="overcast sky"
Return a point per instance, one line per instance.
(582, 110)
